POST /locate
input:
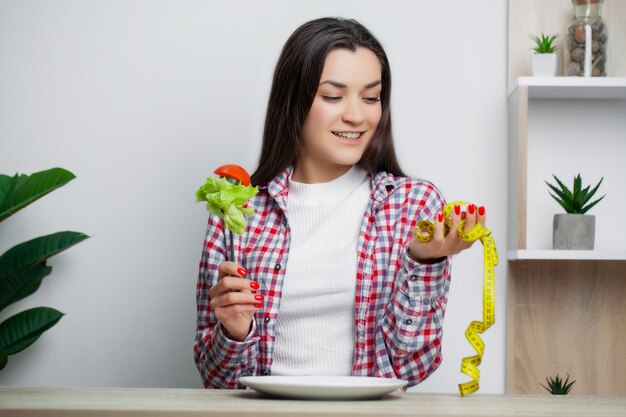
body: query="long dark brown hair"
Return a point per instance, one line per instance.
(295, 84)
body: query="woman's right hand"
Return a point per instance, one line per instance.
(233, 300)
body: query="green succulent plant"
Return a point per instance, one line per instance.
(557, 386)
(544, 44)
(24, 266)
(576, 200)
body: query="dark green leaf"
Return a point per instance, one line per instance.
(566, 206)
(577, 185)
(21, 190)
(6, 185)
(37, 250)
(580, 198)
(590, 205)
(558, 192)
(577, 201)
(4, 358)
(566, 191)
(21, 330)
(568, 387)
(22, 284)
(592, 192)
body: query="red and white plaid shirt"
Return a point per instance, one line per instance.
(400, 304)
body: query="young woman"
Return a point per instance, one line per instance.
(328, 278)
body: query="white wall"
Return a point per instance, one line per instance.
(141, 99)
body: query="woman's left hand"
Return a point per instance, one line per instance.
(441, 246)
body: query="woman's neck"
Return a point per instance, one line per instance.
(308, 174)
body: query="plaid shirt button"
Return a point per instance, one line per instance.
(408, 321)
(267, 319)
(277, 267)
(413, 278)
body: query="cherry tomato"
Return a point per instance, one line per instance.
(233, 171)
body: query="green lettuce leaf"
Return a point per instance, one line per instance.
(227, 200)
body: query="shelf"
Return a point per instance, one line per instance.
(578, 255)
(573, 87)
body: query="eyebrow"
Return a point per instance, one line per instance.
(342, 85)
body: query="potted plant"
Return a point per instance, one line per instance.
(24, 266)
(544, 61)
(575, 229)
(556, 386)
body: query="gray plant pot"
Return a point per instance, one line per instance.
(573, 231)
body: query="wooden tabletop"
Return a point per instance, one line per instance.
(133, 402)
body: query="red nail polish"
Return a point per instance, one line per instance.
(242, 272)
(440, 217)
(471, 208)
(259, 297)
(463, 215)
(481, 210)
(254, 285)
(258, 305)
(457, 210)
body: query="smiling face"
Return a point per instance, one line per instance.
(343, 117)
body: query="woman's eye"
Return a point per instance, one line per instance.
(331, 99)
(372, 100)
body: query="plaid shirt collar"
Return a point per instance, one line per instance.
(382, 184)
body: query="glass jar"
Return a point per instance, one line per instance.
(587, 40)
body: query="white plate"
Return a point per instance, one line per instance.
(323, 387)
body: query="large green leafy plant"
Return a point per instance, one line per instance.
(24, 266)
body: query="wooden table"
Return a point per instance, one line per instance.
(93, 402)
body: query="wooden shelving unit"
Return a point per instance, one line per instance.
(527, 88)
(565, 309)
(573, 87)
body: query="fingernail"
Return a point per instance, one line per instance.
(242, 272)
(258, 305)
(463, 215)
(440, 217)
(471, 208)
(254, 285)
(259, 297)
(481, 210)
(457, 210)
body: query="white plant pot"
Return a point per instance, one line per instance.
(545, 65)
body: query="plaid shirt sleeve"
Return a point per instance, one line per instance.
(220, 360)
(412, 323)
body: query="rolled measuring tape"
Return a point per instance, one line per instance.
(424, 233)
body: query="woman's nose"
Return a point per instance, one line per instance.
(353, 112)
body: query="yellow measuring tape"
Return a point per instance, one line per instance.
(424, 233)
